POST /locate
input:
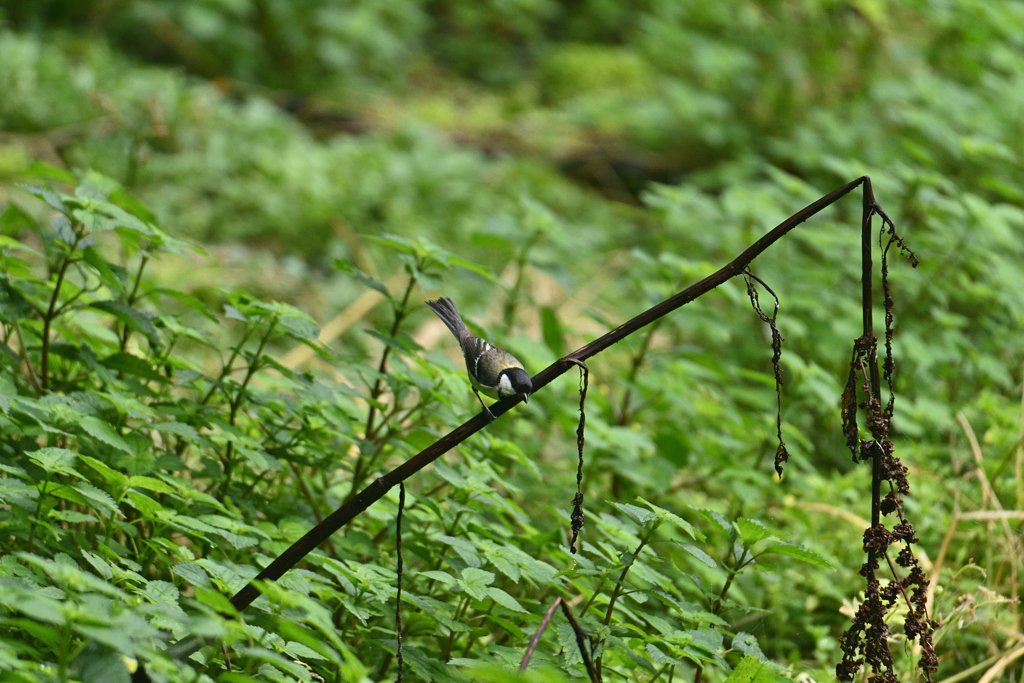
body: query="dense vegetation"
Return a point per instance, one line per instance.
(209, 181)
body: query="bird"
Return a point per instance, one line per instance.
(494, 371)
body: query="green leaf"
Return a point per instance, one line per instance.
(56, 461)
(346, 266)
(132, 365)
(551, 331)
(638, 515)
(504, 599)
(149, 484)
(102, 431)
(465, 549)
(752, 531)
(101, 664)
(137, 320)
(113, 276)
(798, 552)
(14, 220)
(699, 554)
(475, 582)
(674, 519)
(110, 475)
(751, 670)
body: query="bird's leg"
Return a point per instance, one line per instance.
(490, 415)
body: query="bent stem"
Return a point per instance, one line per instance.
(376, 490)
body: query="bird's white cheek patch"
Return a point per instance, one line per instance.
(505, 386)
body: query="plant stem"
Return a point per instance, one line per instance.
(618, 590)
(370, 432)
(48, 318)
(236, 404)
(131, 301)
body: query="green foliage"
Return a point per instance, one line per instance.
(160, 444)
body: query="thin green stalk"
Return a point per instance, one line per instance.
(35, 517)
(49, 317)
(236, 404)
(131, 301)
(370, 432)
(618, 590)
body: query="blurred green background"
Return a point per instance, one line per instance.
(597, 156)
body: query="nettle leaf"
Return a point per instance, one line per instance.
(178, 428)
(699, 554)
(798, 552)
(464, 548)
(95, 497)
(504, 599)
(567, 641)
(113, 276)
(139, 321)
(674, 519)
(752, 670)
(110, 475)
(102, 431)
(747, 644)
(346, 266)
(56, 461)
(717, 519)
(48, 196)
(132, 365)
(475, 582)
(752, 531)
(71, 517)
(188, 300)
(638, 515)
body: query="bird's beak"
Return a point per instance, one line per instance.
(526, 398)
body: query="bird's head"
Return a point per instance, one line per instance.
(518, 384)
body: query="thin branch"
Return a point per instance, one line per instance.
(538, 633)
(581, 643)
(380, 486)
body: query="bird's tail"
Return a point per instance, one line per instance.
(447, 312)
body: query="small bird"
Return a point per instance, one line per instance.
(491, 370)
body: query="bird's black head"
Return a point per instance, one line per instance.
(521, 384)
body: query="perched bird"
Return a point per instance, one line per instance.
(493, 371)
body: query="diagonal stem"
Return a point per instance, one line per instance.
(380, 486)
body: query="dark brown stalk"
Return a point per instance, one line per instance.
(538, 633)
(581, 643)
(380, 486)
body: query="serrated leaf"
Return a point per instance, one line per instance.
(465, 549)
(717, 519)
(699, 554)
(797, 552)
(567, 640)
(178, 428)
(132, 365)
(113, 276)
(56, 461)
(752, 531)
(110, 475)
(674, 519)
(475, 582)
(751, 670)
(149, 484)
(102, 431)
(504, 599)
(137, 320)
(71, 517)
(346, 266)
(444, 577)
(96, 496)
(638, 515)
